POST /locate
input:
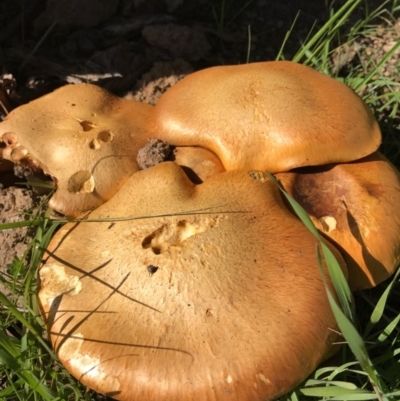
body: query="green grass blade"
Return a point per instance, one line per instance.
(332, 391)
(4, 300)
(389, 329)
(279, 56)
(377, 313)
(338, 278)
(375, 70)
(10, 356)
(341, 384)
(336, 20)
(353, 339)
(19, 224)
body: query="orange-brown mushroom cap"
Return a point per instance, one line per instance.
(84, 137)
(271, 116)
(198, 163)
(223, 304)
(355, 205)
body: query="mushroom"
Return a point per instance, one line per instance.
(223, 300)
(272, 116)
(81, 135)
(198, 163)
(356, 206)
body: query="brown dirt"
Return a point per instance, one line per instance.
(14, 203)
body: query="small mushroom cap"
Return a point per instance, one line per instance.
(271, 116)
(84, 137)
(355, 205)
(198, 163)
(223, 304)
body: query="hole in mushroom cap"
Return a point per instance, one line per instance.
(209, 313)
(174, 234)
(94, 144)
(10, 138)
(152, 269)
(86, 125)
(81, 182)
(105, 136)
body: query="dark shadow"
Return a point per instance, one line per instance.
(94, 340)
(115, 53)
(375, 267)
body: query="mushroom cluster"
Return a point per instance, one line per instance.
(191, 278)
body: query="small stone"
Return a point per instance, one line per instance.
(154, 152)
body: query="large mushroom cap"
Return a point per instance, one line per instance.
(271, 116)
(356, 205)
(83, 136)
(224, 304)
